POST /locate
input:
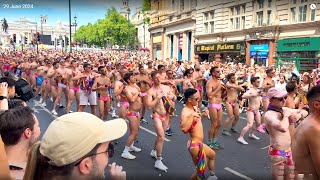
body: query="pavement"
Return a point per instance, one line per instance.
(235, 161)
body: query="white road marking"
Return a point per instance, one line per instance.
(237, 173)
(36, 103)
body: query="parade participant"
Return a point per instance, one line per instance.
(267, 83)
(155, 100)
(39, 80)
(119, 88)
(74, 76)
(33, 65)
(304, 87)
(253, 113)
(111, 74)
(144, 83)
(134, 96)
(86, 93)
(62, 86)
(101, 85)
(191, 122)
(162, 72)
(46, 87)
(278, 119)
(189, 81)
(214, 88)
(232, 104)
(199, 77)
(52, 74)
(305, 145)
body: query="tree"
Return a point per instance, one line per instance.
(112, 30)
(146, 5)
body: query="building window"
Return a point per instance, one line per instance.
(269, 3)
(237, 23)
(268, 17)
(181, 5)
(260, 4)
(212, 15)
(205, 16)
(313, 15)
(206, 27)
(172, 4)
(243, 22)
(293, 15)
(302, 13)
(238, 10)
(231, 23)
(243, 9)
(259, 18)
(303, 1)
(212, 27)
(293, 1)
(237, 16)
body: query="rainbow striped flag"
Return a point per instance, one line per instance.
(168, 106)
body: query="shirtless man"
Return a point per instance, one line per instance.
(74, 76)
(191, 122)
(306, 144)
(101, 85)
(46, 87)
(40, 72)
(232, 104)
(214, 90)
(144, 83)
(134, 96)
(33, 72)
(253, 113)
(266, 85)
(149, 69)
(199, 77)
(162, 72)
(189, 81)
(53, 82)
(291, 103)
(277, 119)
(62, 86)
(160, 115)
(119, 87)
(86, 93)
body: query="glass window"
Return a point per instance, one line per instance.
(293, 14)
(243, 22)
(259, 18)
(205, 15)
(302, 13)
(212, 27)
(303, 1)
(260, 4)
(237, 23)
(181, 5)
(269, 3)
(243, 9)
(231, 11)
(294, 2)
(313, 14)
(231, 24)
(212, 14)
(172, 4)
(238, 10)
(268, 17)
(206, 27)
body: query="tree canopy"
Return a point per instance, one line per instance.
(112, 30)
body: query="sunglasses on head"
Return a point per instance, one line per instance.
(109, 151)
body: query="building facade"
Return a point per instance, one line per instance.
(140, 20)
(248, 31)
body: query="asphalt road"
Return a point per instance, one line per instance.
(235, 161)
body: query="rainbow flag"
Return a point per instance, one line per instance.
(168, 106)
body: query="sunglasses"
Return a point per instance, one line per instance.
(281, 99)
(109, 151)
(197, 99)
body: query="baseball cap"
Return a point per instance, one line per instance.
(70, 137)
(276, 93)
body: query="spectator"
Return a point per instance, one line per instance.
(19, 129)
(4, 96)
(76, 146)
(16, 103)
(11, 86)
(4, 173)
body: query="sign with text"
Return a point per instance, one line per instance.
(220, 47)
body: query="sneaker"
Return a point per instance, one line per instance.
(226, 133)
(128, 155)
(153, 153)
(61, 106)
(111, 108)
(44, 104)
(159, 165)
(134, 149)
(252, 136)
(151, 116)
(241, 140)
(88, 104)
(113, 114)
(54, 112)
(169, 132)
(212, 177)
(213, 146)
(260, 129)
(41, 100)
(70, 111)
(219, 145)
(118, 104)
(143, 121)
(51, 99)
(235, 131)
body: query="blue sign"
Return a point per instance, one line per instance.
(261, 50)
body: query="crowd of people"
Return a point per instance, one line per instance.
(77, 145)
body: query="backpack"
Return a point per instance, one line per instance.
(23, 90)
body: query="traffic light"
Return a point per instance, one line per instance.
(26, 40)
(14, 38)
(38, 36)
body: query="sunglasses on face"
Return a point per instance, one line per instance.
(281, 99)
(109, 151)
(197, 99)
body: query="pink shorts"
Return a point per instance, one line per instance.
(124, 104)
(104, 98)
(216, 106)
(74, 89)
(161, 117)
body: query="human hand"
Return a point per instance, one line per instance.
(287, 112)
(116, 172)
(160, 94)
(4, 89)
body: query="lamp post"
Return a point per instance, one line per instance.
(128, 28)
(75, 28)
(144, 34)
(70, 26)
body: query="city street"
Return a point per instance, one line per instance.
(236, 161)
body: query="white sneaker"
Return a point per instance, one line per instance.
(159, 165)
(252, 136)
(241, 140)
(41, 100)
(212, 177)
(153, 153)
(70, 111)
(134, 149)
(44, 104)
(54, 112)
(118, 104)
(51, 99)
(111, 108)
(127, 155)
(113, 114)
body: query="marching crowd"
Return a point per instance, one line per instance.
(77, 145)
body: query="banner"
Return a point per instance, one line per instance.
(220, 47)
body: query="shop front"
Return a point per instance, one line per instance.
(221, 52)
(157, 47)
(299, 53)
(259, 54)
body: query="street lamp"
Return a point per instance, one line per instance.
(128, 27)
(75, 28)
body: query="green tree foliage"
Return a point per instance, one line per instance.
(146, 5)
(113, 30)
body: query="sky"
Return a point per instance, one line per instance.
(87, 11)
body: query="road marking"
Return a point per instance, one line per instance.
(237, 173)
(36, 103)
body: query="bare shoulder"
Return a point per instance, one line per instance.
(310, 127)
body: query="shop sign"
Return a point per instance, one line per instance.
(299, 44)
(219, 47)
(259, 50)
